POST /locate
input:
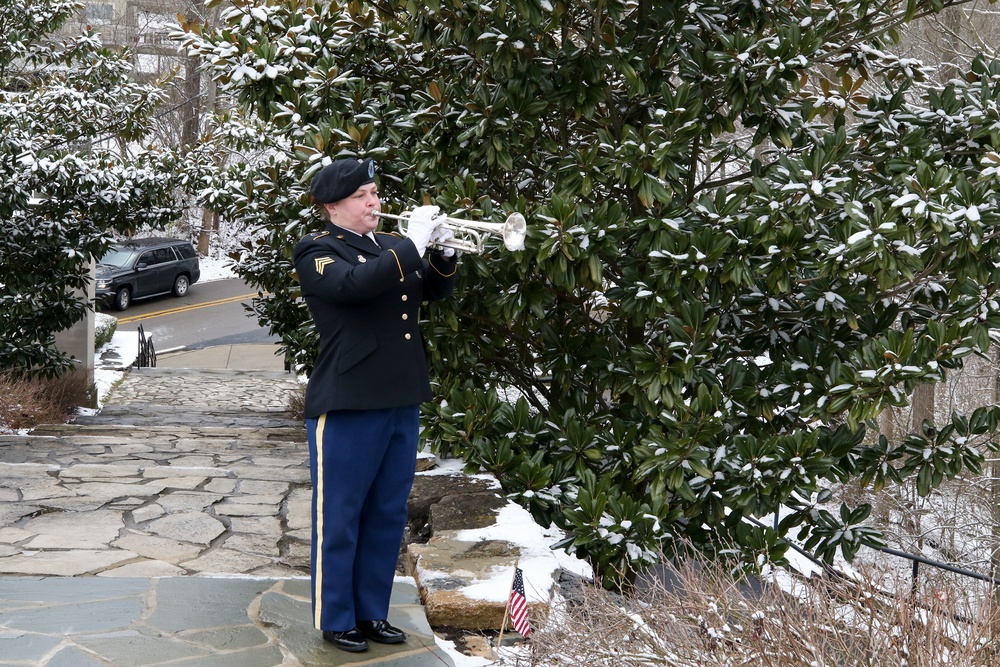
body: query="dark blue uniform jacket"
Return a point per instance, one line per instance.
(364, 301)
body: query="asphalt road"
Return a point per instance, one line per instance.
(211, 313)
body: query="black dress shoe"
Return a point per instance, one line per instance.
(381, 632)
(350, 641)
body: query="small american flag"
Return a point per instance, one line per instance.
(519, 605)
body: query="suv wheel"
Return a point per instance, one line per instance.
(123, 298)
(181, 284)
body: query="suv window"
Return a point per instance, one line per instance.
(161, 255)
(185, 251)
(158, 256)
(120, 258)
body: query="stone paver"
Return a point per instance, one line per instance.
(132, 473)
(129, 622)
(171, 528)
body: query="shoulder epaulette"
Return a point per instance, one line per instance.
(319, 235)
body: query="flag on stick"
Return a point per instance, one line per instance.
(518, 605)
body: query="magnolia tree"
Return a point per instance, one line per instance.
(68, 109)
(751, 229)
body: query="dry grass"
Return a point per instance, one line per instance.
(706, 618)
(26, 403)
(297, 403)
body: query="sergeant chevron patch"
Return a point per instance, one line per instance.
(321, 263)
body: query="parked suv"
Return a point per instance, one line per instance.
(140, 268)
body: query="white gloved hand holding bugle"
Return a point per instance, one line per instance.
(421, 225)
(441, 236)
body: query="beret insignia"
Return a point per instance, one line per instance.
(340, 179)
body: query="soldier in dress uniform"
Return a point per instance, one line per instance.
(363, 291)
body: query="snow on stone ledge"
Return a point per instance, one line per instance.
(540, 563)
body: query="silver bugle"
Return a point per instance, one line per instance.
(468, 233)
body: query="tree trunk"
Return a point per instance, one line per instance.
(192, 91)
(208, 222)
(994, 495)
(209, 218)
(995, 516)
(922, 406)
(953, 19)
(887, 423)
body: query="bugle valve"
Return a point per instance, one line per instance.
(468, 234)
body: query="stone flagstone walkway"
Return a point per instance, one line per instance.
(171, 528)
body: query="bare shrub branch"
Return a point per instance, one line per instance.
(26, 403)
(697, 614)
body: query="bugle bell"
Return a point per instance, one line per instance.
(468, 234)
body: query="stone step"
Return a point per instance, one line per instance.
(475, 538)
(77, 432)
(176, 390)
(206, 471)
(100, 505)
(208, 375)
(66, 512)
(187, 419)
(200, 397)
(152, 414)
(449, 569)
(197, 622)
(191, 449)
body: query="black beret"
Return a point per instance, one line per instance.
(340, 179)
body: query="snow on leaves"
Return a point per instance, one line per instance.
(65, 104)
(784, 232)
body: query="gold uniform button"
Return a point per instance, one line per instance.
(404, 297)
(405, 316)
(407, 336)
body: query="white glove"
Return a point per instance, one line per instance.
(421, 226)
(441, 235)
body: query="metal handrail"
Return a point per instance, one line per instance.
(902, 554)
(147, 353)
(938, 564)
(915, 571)
(895, 552)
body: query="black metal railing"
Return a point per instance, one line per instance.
(915, 571)
(917, 560)
(147, 353)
